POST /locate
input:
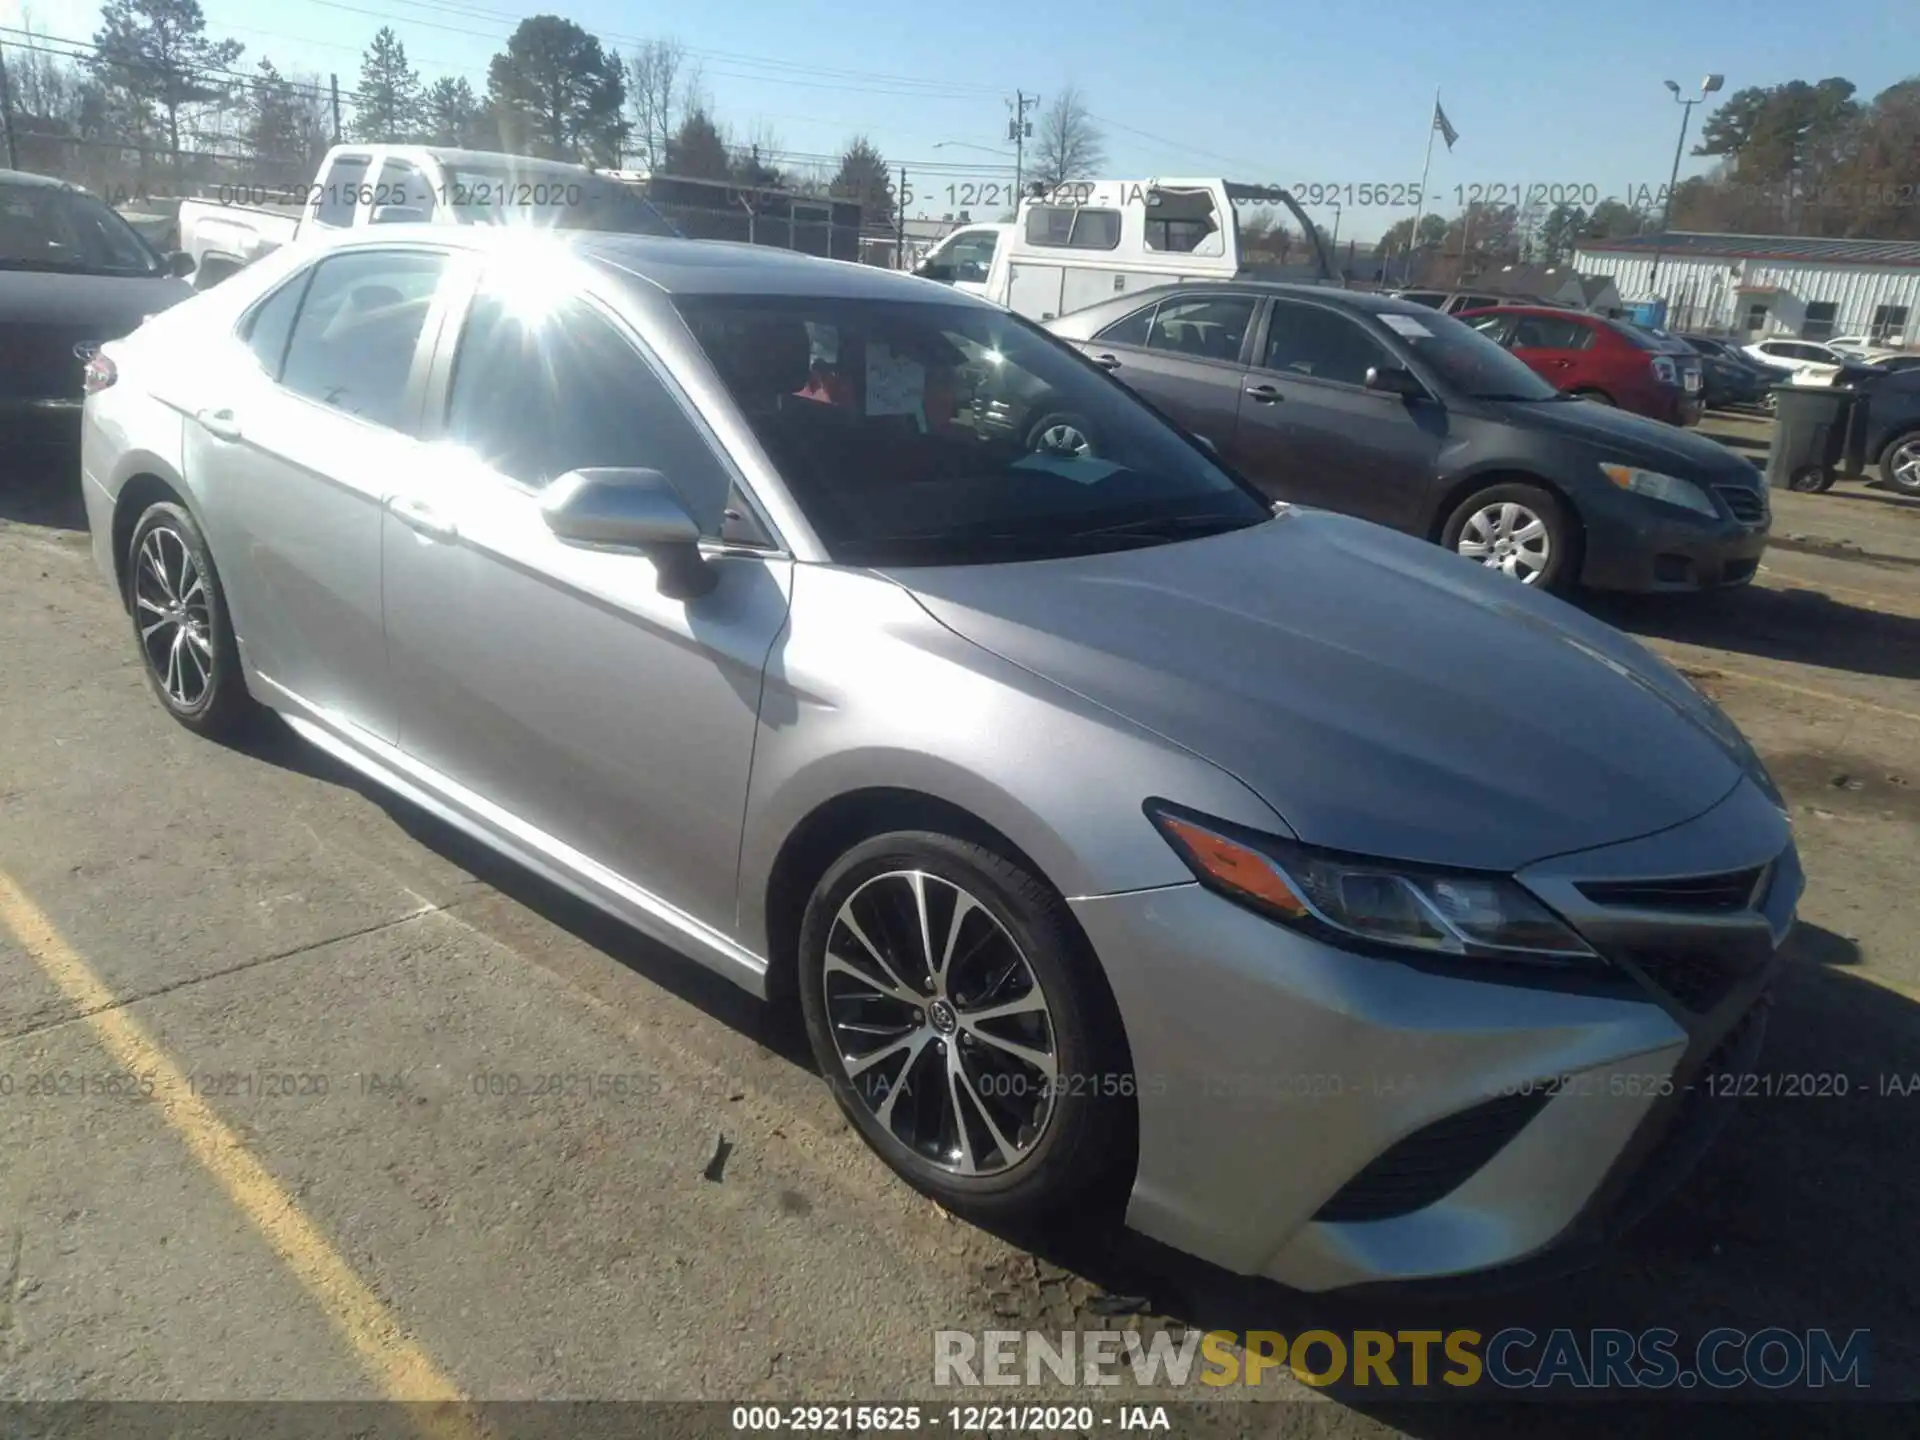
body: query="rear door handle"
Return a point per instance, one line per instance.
(1107, 362)
(420, 516)
(220, 424)
(1264, 394)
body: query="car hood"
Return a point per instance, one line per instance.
(1623, 435)
(1384, 696)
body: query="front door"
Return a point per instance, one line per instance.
(1310, 431)
(296, 449)
(556, 682)
(1552, 346)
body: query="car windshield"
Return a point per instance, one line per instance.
(48, 227)
(563, 200)
(1470, 363)
(914, 433)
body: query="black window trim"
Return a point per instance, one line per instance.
(1263, 324)
(365, 160)
(437, 401)
(243, 327)
(1148, 309)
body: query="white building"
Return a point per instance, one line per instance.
(1758, 285)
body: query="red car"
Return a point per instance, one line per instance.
(1607, 361)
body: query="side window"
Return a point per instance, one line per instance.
(971, 255)
(1497, 328)
(1306, 340)
(402, 185)
(1209, 329)
(1073, 227)
(340, 191)
(1130, 331)
(270, 323)
(353, 345)
(1548, 332)
(1182, 221)
(536, 397)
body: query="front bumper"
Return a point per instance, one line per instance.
(1279, 1079)
(1636, 544)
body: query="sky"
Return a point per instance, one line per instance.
(1255, 90)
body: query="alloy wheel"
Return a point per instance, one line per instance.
(940, 1024)
(1904, 465)
(176, 625)
(1510, 538)
(1063, 439)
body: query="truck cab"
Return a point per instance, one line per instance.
(965, 258)
(1076, 244)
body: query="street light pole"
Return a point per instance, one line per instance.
(1707, 87)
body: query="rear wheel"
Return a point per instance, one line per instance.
(180, 623)
(1520, 530)
(1900, 464)
(962, 1026)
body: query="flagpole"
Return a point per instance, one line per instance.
(1420, 206)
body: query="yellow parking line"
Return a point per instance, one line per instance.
(404, 1371)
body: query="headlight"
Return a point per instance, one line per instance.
(1655, 486)
(1377, 902)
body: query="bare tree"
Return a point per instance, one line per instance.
(1068, 145)
(661, 90)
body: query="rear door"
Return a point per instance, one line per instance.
(1188, 356)
(1311, 431)
(297, 450)
(1556, 347)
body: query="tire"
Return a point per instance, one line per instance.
(1553, 567)
(1598, 397)
(180, 625)
(1052, 1146)
(1058, 429)
(1900, 463)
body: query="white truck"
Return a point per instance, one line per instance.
(1083, 242)
(384, 184)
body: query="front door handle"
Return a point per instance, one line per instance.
(420, 516)
(1107, 362)
(1264, 394)
(221, 424)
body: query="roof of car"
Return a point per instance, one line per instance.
(1557, 311)
(27, 177)
(1371, 301)
(682, 267)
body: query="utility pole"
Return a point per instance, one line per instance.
(1707, 87)
(1019, 131)
(6, 113)
(334, 83)
(900, 222)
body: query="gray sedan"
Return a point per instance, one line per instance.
(1116, 831)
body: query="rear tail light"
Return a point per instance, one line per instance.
(100, 373)
(1665, 371)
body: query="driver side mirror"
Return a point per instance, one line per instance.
(936, 271)
(1395, 380)
(627, 509)
(180, 264)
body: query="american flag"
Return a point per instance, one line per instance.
(1444, 125)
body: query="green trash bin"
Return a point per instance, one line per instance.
(1809, 436)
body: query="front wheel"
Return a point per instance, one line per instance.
(1519, 530)
(180, 623)
(1900, 465)
(963, 1027)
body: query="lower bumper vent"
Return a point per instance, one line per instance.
(1433, 1162)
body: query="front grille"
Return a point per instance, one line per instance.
(1433, 1162)
(1749, 506)
(1692, 894)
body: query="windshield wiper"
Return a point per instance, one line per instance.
(1168, 527)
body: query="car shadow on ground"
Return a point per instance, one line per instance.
(1876, 492)
(1799, 1217)
(1805, 626)
(41, 488)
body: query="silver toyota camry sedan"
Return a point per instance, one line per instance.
(1356, 914)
